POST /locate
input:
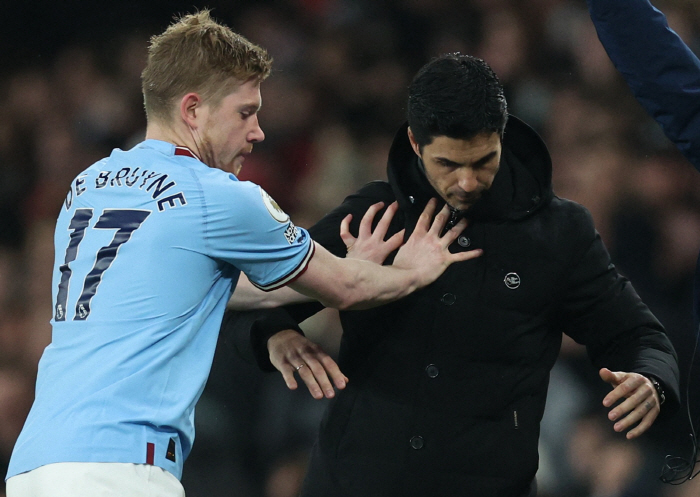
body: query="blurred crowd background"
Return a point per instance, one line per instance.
(70, 92)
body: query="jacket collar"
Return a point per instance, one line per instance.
(522, 185)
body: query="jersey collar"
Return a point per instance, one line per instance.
(185, 151)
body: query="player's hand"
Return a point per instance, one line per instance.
(426, 251)
(291, 352)
(370, 246)
(640, 406)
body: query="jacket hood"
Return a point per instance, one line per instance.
(522, 185)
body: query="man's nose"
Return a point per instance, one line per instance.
(467, 180)
(256, 135)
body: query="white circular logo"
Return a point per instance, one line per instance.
(512, 280)
(273, 208)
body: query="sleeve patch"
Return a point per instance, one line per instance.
(273, 208)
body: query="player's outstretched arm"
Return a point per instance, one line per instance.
(356, 284)
(247, 296)
(369, 246)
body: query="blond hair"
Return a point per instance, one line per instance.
(197, 54)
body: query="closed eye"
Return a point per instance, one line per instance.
(248, 111)
(447, 162)
(484, 160)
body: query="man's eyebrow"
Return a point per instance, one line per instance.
(251, 106)
(447, 162)
(480, 162)
(485, 159)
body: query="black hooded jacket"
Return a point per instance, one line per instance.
(448, 385)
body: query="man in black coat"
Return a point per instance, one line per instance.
(448, 386)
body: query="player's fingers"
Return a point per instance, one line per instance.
(454, 232)
(367, 220)
(465, 256)
(440, 221)
(424, 220)
(330, 366)
(345, 234)
(320, 375)
(395, 241)
(308, 377)
(288, 375)
(383, 224)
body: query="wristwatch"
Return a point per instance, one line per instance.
(659, 389)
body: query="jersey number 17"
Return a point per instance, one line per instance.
(125, 221)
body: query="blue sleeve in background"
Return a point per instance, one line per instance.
(659, 67)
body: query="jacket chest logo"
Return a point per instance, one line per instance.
(512, 280)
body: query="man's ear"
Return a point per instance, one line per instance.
(414, 144)
(191, 109)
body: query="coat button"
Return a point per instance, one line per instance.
(432, 371)
(417, 442)
(448, 299)
(464, 241)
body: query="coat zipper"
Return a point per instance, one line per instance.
(454, 219)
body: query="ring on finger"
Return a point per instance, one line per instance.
(299, 367)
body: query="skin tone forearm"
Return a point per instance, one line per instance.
(247, 296)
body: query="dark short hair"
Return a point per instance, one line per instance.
(458, 96)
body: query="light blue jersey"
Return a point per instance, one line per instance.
(148, 243)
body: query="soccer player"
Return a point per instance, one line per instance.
(148, 244)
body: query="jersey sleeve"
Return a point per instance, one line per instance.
(245, 227)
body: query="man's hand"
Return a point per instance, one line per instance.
(371, 246)
(290, 352)
(641, 405)
(427, 251)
